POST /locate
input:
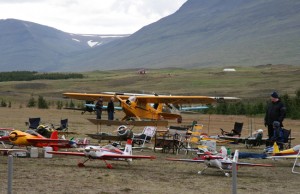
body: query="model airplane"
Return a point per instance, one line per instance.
(32, 138)
(149, 106)
(107, 152)
(220, 161)
(291, 153)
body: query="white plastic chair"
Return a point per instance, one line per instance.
(145, 136)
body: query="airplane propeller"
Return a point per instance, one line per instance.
(13, 136)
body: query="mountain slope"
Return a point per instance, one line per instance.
(206, 32)
(29, 46)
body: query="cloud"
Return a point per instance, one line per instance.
(90, 16)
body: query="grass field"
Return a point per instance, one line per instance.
(60, 174)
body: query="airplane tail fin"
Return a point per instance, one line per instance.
(54, 135)
(275, 148)
(223, 152)
(128, 147)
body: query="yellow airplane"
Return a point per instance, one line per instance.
(149, 107)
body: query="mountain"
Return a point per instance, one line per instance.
(206, 33)
(201, 33)
(29, 46)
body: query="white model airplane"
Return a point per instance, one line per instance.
(292, 153)
(107, 152)
(220, 161)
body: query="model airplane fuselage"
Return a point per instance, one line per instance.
(32, 138)
(108, 152)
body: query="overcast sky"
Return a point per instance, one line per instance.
(90, 16)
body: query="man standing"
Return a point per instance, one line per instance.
(111, 109)
(276, 111)
(98, 107)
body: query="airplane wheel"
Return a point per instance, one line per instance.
(80, 164)
(109, 166)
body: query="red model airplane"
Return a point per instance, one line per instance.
(107, 152)
(32, 138)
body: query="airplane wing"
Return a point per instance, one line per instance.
(92, 97)
(185, 160)
(67, 153)
(105, 156)
(234, 139)
(153, 98)
(176, 99)
(118, 156)
(13, 150)
(223, 162)
(251, 164)
(242, 139)
(55, 141)
(6, 129)
(293, 156)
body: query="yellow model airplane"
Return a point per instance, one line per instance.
(148, 106)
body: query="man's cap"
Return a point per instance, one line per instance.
(275, 95)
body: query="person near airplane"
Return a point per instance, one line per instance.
(276, 111)
(111, 109)
(98, 107)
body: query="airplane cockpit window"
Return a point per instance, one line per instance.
(132, 98)
(32, 132)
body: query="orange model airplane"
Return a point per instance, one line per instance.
(32, 138)
(148, 106)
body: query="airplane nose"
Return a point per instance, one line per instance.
(13, 136)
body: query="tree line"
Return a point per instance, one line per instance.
(244, 107)
(34, 75)
(257, 107)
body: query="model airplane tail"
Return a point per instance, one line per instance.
(128, 147)
(54, 135)
(223, 152)
(275, 148)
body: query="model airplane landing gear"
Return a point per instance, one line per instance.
(81, 164)
(109, 166)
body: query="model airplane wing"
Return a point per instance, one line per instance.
(185, 160)
(67, 153)
(223, 162)
(58, 141)
(242, 139)
(105, 156)
(153, 98)
(12, 150)
(116, 156)
(92, 97)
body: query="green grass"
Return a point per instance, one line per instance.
(246, 82)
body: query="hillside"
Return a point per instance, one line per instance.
(201, 33)
(29, 46)
(207, 33)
